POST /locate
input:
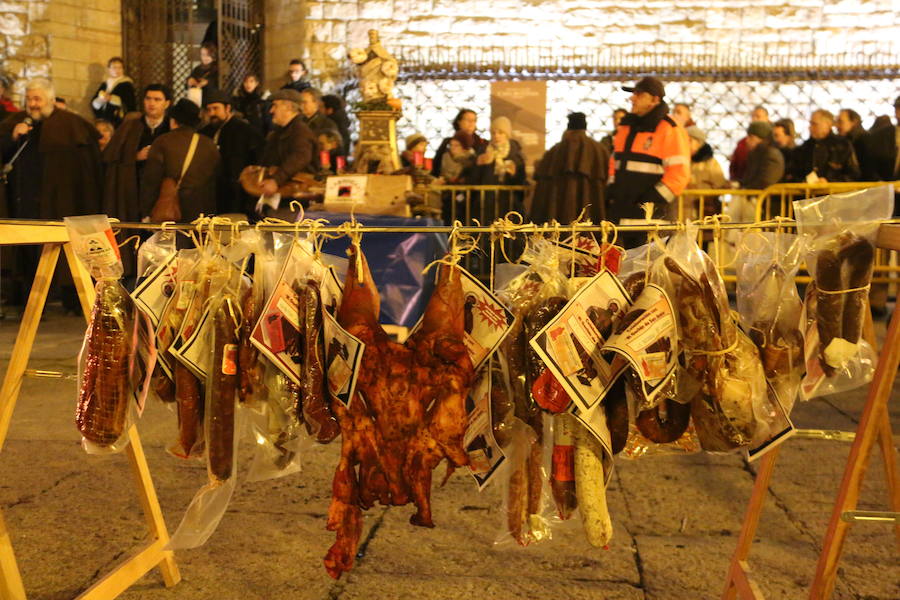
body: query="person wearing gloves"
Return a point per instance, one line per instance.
(501, 163)
(706, 174)
(651, 161)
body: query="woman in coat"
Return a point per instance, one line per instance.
(500, 163)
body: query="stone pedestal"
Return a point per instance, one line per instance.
(376, 150)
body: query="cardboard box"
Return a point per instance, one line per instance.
(368, 194)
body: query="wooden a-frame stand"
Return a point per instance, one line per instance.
(874, 424)
(151, 554)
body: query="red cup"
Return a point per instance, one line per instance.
(324, 159)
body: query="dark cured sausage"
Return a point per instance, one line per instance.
(221, 386)
(320, 422)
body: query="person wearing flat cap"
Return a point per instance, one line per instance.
(239, 143)
(290, 146)
(651, 162)
(571, 177)
(182, 151)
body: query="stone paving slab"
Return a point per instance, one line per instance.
(676, 518)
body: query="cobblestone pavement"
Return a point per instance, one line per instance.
(73, 516)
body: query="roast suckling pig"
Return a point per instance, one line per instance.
(407, 413)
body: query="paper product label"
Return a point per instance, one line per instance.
(570, 344)
(343, 353)
(155, 291)
(195, 352)
(650, 342)
(487, 321)
(485, 455)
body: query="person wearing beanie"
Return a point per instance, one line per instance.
(706, 174)
(571, 177)
(765, 163)
(414, 143)
(825, 156)
(651, 162)
(170, 155)
(500, 163)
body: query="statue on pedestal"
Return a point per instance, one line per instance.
(376, 151)
(376, 70)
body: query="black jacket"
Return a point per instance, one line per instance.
(832, 157)
(880, 157)
(254, 109)
(197, 191)
(297, 86)
(319, 123)
(765, 166)
(292, 149)
(240, 145)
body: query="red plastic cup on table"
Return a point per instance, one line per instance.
(418, 159)
(324, 159)
(341, 163)
(428, 164)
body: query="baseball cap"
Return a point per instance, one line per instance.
(651, 85)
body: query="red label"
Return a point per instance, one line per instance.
(229, 359)
(563, 468)
(549, 394)
(610, 257)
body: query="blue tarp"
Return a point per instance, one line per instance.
(396, 262)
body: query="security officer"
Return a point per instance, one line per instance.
(651, 161)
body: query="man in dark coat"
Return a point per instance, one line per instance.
(126, 154)
(882, 160)
(167, 158)
(570, 176)
(240, 144)
(826, 154)
(290, 147)
(58, 172)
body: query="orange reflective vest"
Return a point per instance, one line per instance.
(651, 161)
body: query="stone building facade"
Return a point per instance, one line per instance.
(66, 40)
(71, 40)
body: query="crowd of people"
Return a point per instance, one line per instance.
(143, 146)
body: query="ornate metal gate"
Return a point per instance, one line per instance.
(162, 39)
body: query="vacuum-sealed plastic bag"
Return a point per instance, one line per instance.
(113, 378)
(770, 307)
(839, 231)
(722, 376)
